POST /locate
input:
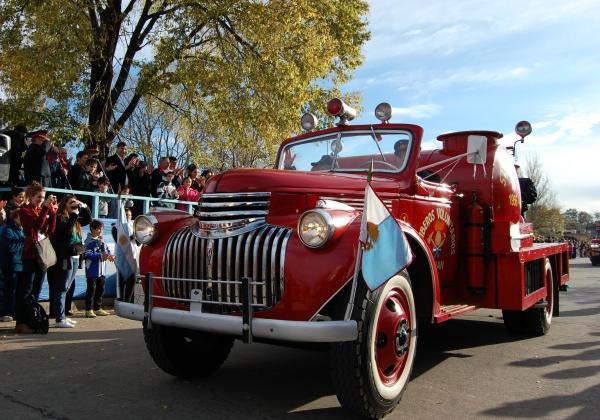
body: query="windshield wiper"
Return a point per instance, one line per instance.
(374, 137)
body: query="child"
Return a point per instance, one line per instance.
(167, 190)
(12, 239)
(96, 255)
(124, 192)
(187, 193)
(88, 180)
(103, 202)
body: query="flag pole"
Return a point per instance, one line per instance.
(359, 252)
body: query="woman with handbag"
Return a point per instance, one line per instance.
(67, 240)
(38, 218)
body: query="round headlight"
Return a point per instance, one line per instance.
(144, 228)
(315, 228)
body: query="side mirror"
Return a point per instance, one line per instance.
(477, 149)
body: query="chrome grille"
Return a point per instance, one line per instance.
(216, 266)
(222, 215)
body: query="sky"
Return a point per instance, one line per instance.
(474, 64)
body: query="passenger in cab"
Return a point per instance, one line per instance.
(323, 164)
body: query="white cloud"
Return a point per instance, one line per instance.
(570, 128)
(466, 75)
(411, 27)
(416, 111)
(580, 124)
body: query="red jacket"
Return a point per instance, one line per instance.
(188, 194)
(35, 220)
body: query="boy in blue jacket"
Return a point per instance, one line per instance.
(12, 239)
(96, 255)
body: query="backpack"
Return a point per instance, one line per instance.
(36, 317)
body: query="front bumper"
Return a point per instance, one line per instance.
(274, 329)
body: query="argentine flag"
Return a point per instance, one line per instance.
(124, 259)
(385, 248)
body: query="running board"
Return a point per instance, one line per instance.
(450, 311)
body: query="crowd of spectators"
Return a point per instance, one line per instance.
(37, 159)
(29, 215)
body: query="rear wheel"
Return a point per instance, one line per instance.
(538, 320)
(534, 321)
(370, 374)
(186, 353)
(513, 321)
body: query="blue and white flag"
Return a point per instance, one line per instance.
(124, 253)
(385, 248)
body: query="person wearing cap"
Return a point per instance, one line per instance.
(323, 164)
(35, 164)
(400, 149)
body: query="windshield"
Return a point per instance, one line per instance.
(349, 152)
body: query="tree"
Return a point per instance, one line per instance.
(545, 212)
(154, 130)
(584, 219)
(247, 67)
(571, 217)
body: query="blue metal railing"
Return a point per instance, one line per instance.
(148, 202)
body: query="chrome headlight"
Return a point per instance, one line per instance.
(144, 228)
(315, 228)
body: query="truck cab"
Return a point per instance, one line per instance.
(273, 255)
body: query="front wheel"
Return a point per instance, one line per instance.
(370, 374)
(186, 353)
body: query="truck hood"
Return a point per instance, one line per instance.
(272, 180)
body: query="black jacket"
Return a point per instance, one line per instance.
(61, 238)
(35, 164)
(117, 176)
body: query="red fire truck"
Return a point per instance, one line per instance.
(271, 255)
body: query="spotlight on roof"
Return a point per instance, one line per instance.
(309, 121)
(383, 112)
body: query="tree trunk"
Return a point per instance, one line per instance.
(100, 111)
(102, 74)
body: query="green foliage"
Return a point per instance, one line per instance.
(238, 72)
(547, 221)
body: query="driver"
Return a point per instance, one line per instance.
(323, 164)
(400, 148)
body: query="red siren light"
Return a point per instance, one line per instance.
(337, 108)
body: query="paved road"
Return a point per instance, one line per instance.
(467, 368)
